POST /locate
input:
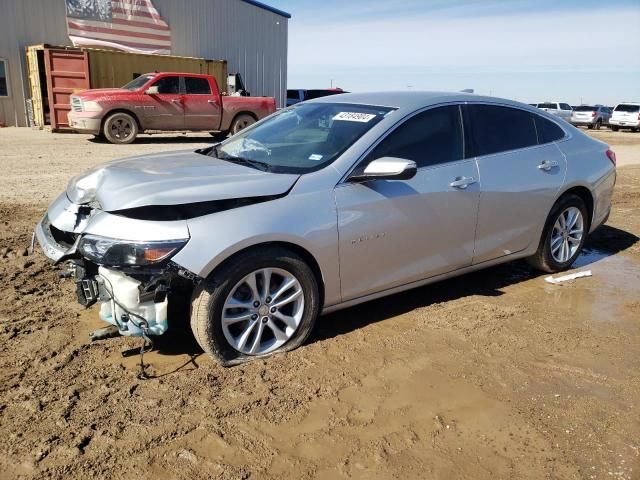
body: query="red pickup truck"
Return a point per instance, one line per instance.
(164, 101)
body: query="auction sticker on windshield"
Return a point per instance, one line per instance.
(354, 117)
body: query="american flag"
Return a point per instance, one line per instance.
(130, 25)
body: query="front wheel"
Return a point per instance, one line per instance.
(265, 301)
(615, 128)
(120, 128)
(563, 236)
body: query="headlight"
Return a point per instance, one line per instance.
(121, 253)
(91, 106)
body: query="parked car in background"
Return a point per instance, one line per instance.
(300, 95)
(590, 116)
(562, 110)
(325, 205)
(164, 102)
(626, 115)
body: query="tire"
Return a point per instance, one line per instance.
(597, 125)
(241, 122)
(120, 128)
(224, 340)
(550, 258)
(615, 128)
(590, 126)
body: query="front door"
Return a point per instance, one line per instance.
(164, 110)
(395, 232)
(202, 109)
(521, 169)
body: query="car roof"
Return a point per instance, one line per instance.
(411, 99)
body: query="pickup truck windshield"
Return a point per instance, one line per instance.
(138, 82)
(303, 138)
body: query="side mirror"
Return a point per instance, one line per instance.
(153, 90)
(387, 168)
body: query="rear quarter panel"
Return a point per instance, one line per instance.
(259, 107)
(589, 167)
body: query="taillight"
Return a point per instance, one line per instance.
(611, 155)
(593, 114)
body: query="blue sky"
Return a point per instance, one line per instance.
(575, 51)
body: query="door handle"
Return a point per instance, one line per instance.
(548, 165)
(462, 182)
(212, 102)
(176, 100)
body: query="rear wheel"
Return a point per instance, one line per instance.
(564, 235)
(614, 128)
(120, 128)
(597, 125)
(263, 302)
(241, 122)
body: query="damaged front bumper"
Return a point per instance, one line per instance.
(135, 299)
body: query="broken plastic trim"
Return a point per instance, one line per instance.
(192, 210)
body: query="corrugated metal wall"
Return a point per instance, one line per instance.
(253, 41)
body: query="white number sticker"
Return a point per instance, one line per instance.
(354, 117)
(315, 157)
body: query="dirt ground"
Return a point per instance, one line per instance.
(495, 374)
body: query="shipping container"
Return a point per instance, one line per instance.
(55, 73)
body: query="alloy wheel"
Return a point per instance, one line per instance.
(567, 234)
(262, 311)
(120, 128)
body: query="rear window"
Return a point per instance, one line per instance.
(623, 107)
(585, 108)
(197, 86)
(497, 129)
(548, 105)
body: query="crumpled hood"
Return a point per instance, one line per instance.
(173, 178)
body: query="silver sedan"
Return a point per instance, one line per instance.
(325, 205)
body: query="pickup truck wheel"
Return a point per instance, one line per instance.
(120, 128)
(241, 122)
(263, 302)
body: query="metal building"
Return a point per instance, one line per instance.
(250, 35)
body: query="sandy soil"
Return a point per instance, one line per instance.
(491, 375)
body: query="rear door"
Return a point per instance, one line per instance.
(202, 109)
(396, 232)
(164, 110)
(521, 170)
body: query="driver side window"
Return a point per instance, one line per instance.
(428, 138)
(168, 85)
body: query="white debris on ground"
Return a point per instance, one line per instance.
(566, 278)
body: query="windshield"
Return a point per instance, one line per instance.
(585, 108)
(138, 82)
(547, 105)
(303, 138)
(627, 108)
